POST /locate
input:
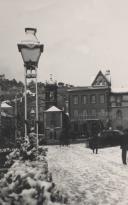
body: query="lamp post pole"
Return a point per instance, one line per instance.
(25, 99)
(16, 117)
(0, 119)
(31, 50)
(37, 116)
(0, 113)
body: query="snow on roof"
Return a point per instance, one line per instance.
(87, 88)
(5, 105)
(120, 90)
(53, 109)
(6, 101)
(108, 77)
(92, 78)
(29, 92)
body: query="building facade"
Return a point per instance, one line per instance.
(119, 108)
(100, 101)
(90, 102)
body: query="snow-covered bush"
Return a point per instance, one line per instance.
(25, 152)
(28, 181)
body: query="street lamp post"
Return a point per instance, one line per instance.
(15, 117)
(32, 116)
(0, 119)
(30, 50)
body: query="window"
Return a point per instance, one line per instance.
(75, 99)
(93, 98)
(119, 115)
(84, 114)
(124, 104)
(100, 81)
(125, 97)
(93, 112)
(102, 99)
(75, 113)
(51, 95)
(118, 101)
(113, 104)
(112, 99)
(103, 113)
(84, 99)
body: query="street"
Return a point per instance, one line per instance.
(87, 178)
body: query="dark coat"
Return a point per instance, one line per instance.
(124, 141)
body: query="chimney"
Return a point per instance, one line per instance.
(108, 76)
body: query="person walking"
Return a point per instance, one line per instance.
(124, 146)
(95, 144)
(95, 141)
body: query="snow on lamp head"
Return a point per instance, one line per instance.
(30, 48)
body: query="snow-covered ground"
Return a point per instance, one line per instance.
(87, 178)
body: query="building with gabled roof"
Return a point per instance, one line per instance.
(90, 102)
(100, 101)
(102, 79)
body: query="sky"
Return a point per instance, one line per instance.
(80, 38)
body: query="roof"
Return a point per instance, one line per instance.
(113, 90)
(53, 109)
(5, 105)
(119, 90)
(29, 92)
(106, 76)
(87, 88)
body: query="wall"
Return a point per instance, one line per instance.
(90, 107)
(119, 110)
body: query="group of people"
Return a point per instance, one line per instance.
(123, 145)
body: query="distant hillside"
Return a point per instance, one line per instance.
(11, 88)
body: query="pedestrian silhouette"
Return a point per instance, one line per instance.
(95, 132)
(124, 146)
